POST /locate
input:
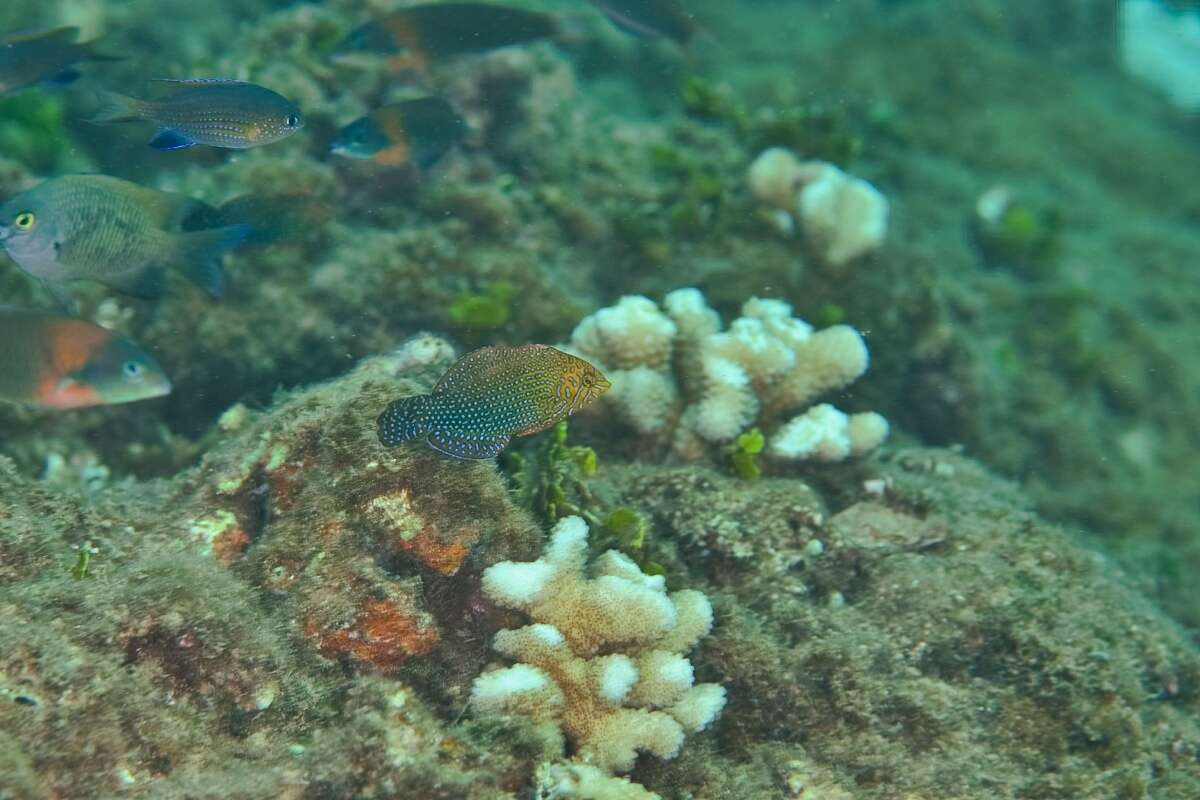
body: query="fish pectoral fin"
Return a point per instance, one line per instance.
(167, 139)
(146, 284)
(457, 446)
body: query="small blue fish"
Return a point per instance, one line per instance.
(32, 57)
(212, 111)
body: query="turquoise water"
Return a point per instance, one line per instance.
(896, 301)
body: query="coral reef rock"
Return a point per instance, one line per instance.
(678, 374)
(640, 693)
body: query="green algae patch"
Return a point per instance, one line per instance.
(483, 310)
(744, 452)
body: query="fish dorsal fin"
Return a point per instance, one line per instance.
(67, 34)
(477, 366)
(199, 82)
(458, 446)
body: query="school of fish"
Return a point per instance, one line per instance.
(132, 238)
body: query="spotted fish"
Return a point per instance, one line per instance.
(52, 361)
(490, 395)
(214, 111)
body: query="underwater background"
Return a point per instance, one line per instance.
(236, 590)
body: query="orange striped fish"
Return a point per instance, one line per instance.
(51, 361)
(418, 131)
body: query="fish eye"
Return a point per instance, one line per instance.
(131, 369)
(291, 121)
(25, 221)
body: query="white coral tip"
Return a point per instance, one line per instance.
(519, 687)
(568, 543)
(819, 433)
(517, 584)
(699, 706)
(616, 563)
(693, 620)
(615, 677)
(866, 432)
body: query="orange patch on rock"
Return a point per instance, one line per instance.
(402, 529)
(444, 557)
(384, 635)
(332, 529)
(230, 544)
(285, 484)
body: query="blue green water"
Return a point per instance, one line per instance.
(999, 596)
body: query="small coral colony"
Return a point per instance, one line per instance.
(604, 653)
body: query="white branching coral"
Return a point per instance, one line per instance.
(640, 695)
(715, 384)
(570, 780)
(631, 333)
(842, 217)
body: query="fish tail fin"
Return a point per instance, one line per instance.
(265, 228)
(115, 107)
(199, 255)
(404, 419)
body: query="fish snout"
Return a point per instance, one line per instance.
(5, 233)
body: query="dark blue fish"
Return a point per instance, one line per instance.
(666, 19)
(418, 131)
(416, 35)
(32, 57)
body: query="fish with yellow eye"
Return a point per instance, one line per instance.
(100, 228)
(218, 112)
(48, 56)
(417, 35)
(55, 362)
(491, 395)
